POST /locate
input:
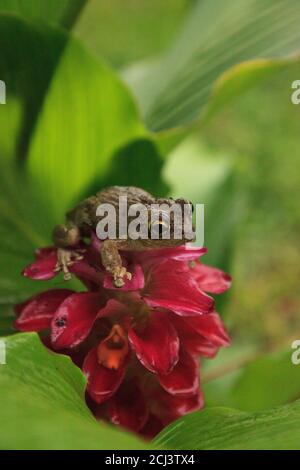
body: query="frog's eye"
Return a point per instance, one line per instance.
(159, 227)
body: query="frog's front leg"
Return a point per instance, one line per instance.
(66, 237)
(112, 261)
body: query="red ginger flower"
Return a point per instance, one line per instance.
(138, 345)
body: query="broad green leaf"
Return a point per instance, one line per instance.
(22, 225)
(226, 89)
(42, 403)
(265, 382)
(146, 27)
(23, 228)
(136, 164)
(29, 55)
(239, 78)
(225, 428)
(87, 112)
(216, 36)
(63, 12)
(87, 115)
(35, 51)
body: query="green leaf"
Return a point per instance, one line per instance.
(6, 320)
(227, 88)
(35, 50)
(24, 226)
(216, 36)
(20, 235)
(87, 112)
(225, 428)
(63, 12)
(136, 164)
(22, 230)
(42, 403)
(257, 385)
(124, 23)
(87, 115)
(239, 78)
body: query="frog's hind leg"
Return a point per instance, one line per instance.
(112, 261)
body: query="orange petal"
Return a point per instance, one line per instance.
(112, 351)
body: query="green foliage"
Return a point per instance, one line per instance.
(262, 129)
(66, 144)
(176, 90)
(225, 428)
(36, 414)
(127, 168)
(146, 26)
(63, 12)
(35, 50)
(258, 385)
(242, 77)
(86, 117)
(6, 320)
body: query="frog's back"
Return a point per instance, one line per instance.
(134, 195)
(85, 212)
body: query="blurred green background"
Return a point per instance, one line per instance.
(182, 97)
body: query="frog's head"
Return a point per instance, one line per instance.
(66, 235)
(171, 223)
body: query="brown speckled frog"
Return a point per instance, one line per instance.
(82, 220)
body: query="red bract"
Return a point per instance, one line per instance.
(138, 345)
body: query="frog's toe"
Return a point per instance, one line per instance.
(119, 274)
(65, 259)
(67, 275)
(77, 256)
(118, 282)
